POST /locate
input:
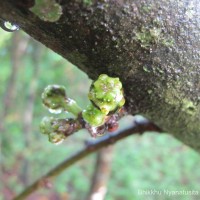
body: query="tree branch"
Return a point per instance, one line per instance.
(137, 126)
(152, 46)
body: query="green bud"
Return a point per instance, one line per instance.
(54, 128)
(56, 138)
(93, 116)
(107, 93)
(55, 99)
(46, 125)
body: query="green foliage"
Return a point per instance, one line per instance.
(5, 36)
(153, 162)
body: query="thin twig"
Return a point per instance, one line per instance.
(138, 126)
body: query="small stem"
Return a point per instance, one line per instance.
(72, 107)
(138, 126)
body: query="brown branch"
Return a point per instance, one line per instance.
(156, 58)
(138, 126)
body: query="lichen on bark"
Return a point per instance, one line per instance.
(47, 10)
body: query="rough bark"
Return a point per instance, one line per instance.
(153, 46)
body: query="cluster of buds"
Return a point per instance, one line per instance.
(103, 114)
(58, 129)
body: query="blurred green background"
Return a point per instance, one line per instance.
(140, 163)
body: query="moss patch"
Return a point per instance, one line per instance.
(88, 2)
(173, 98)
(154, 35)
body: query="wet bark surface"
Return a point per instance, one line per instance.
(152, 46)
